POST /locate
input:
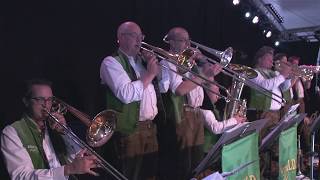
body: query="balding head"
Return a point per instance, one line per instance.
(179, 39)
(129, 38)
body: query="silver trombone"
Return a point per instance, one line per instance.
(108, 114)
(240, 73)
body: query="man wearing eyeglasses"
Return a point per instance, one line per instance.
(33, 148)
(130, 91)
(182, 138)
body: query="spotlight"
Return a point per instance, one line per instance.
(236, 2)
(276, 43)
(268, 34)
(255, 20)
(247, 14)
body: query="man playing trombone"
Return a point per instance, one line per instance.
(130, 92)
(183, 102)
(36, 148)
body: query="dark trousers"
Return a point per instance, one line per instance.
(181, 147)
(138, 152)
(268, 160)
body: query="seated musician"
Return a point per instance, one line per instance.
(36, 148)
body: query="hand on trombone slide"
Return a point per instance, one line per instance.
(82, 164)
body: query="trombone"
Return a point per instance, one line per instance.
(100, 130)
(184, 63)
(240, 73)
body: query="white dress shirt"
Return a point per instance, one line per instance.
(19, 163)
(171, 80)
(215, 126)
(127, 91)
(274, 85)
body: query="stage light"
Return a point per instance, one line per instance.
(268, 34)
(255, 20)
(276, 43)
(247, 14)
(236, 2)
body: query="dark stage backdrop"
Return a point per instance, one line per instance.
(65, 42)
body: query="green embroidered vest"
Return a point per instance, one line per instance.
(128, 114)
(32, 139)
(258, 100)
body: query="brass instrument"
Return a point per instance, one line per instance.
(100, 130)
(185, 62)
(238, 72)
(303, 71)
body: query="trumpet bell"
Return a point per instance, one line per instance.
(244, 70)
(101, 128)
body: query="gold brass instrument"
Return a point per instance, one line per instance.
(100, 130)
(303, 71)
(238, 72)
(185, 62)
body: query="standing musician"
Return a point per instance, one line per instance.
(266, 107)
(130, 91)
(300, 86)
(34, 148)
(274, 81)
(185, 119)
(287, 94)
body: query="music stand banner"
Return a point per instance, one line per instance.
(288, 153)
(240, 152)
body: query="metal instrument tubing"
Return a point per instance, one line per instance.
(103, 163)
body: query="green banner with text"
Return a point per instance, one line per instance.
(241, 152)
(288, 154)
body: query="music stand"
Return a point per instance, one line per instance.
(228, 137)
(284, 124)
(313, 129)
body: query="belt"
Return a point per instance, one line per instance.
(187, 107)
(145, 124)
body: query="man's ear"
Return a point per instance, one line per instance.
(25, 102)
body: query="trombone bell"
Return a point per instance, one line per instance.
(101, 128)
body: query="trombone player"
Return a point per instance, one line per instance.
(130, 91)
(36, 149)
(185, 118)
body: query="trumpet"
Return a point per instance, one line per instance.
(99, 132)
(303, 71)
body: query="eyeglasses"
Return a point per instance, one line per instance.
(43, 100)
(134, 35)
(181, 40)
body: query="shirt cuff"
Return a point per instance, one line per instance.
(58, 173)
